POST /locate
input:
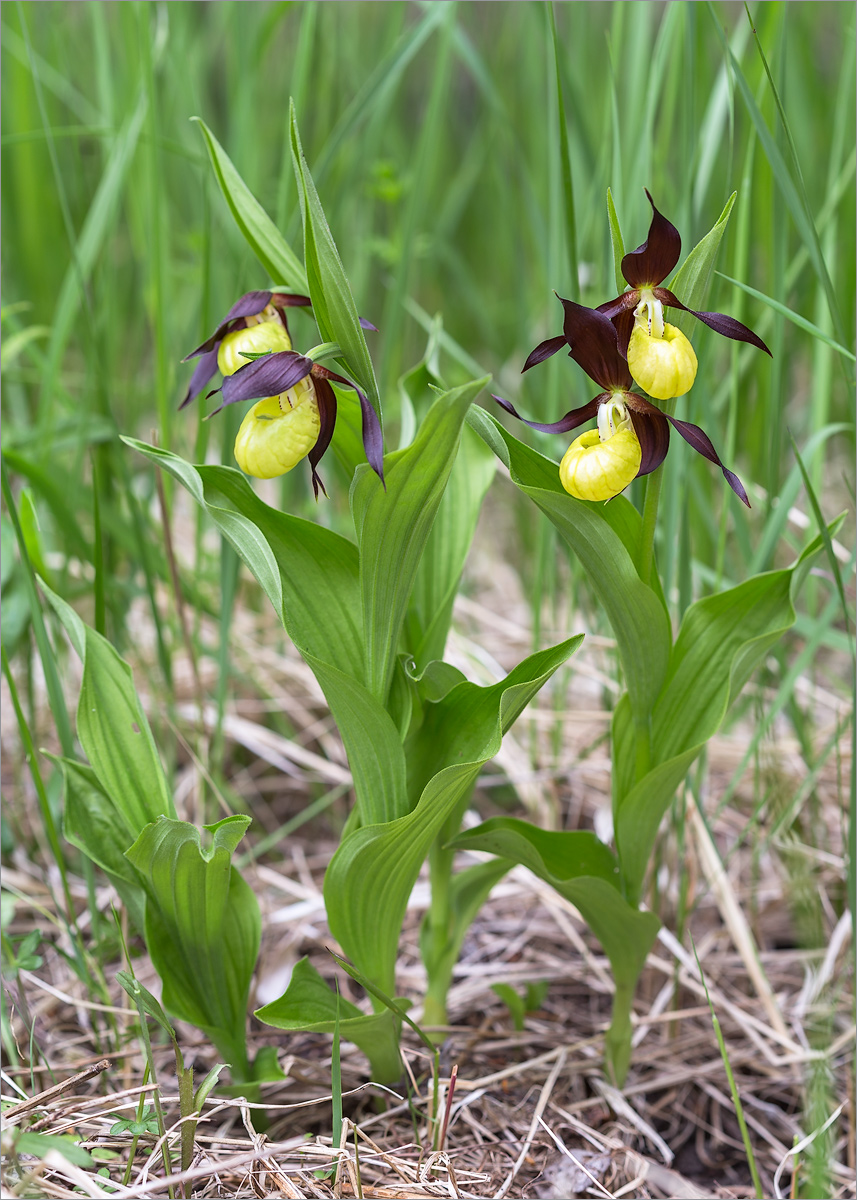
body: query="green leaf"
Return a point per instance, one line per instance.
(721, 641)
(309, 1005)
(39, 1144)
(208, 1084)
(332, 302)
(149, 1003)
(692, 280)
(605, 538)
(584, 871)
(439, 573)
(371, 875)
(393, 526)
(308, 572)
(513, 1001)
(260, 232)
(202, 928)
(113, 729)
(371, 741)
(616, 242)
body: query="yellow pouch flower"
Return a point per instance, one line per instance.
(663, 366)
(265, 337)
(592, 469)
(278, 432)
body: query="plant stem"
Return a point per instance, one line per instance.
(617, 1043)
(440, 873)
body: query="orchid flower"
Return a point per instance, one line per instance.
(660, 358)
(632, 434)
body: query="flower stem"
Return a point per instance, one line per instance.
(651, 500)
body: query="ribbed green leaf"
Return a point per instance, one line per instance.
(371, 875)
(439, 573)
(605, 538)
(332, 302)
(202, 928)
(308, 1005)
(393, 526)
(260, 232)
(307, 572)
(113, 729)
(692, 280)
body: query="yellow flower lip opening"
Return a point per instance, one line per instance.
(278, 432)
(601, 463)
(259, 337)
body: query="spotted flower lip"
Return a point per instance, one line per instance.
(595, 345)
(645, 269)
(276, 373)
(251, 304)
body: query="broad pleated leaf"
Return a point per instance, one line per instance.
(307, 572)
(693, 278)
(308, 1005)
(436, 584)
(583, 870)
(605, 538)
(113, 729)
(721, 641)
(371, 875)
(393, 526)
(332, 302)
(260, 232)
(203, 928)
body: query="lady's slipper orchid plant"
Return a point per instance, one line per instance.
(632, 437)
(296, 410)
(660, 358)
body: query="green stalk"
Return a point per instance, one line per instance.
(617, 1042)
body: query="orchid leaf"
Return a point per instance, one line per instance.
(616, 241)
(203, 928)
(721, 641)
(393, 526)
(307, 572)
(260, 232)
(439, 573)
(605, 538)
(693, 278)
(584, 871)
(332, 302)
(309, 1005)
(149, 1003)
(113, 729)
(371, 875)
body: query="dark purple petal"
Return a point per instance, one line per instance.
(571, 420)
(286, 300)
(701, 443)
(250, 304)
(202, 372)
(659, 253)
(543, 351)
(364, 324)
(373, 438)
(263, 377)
(623, 323)
(653, 431)
(326, 398)
(595, 346)
(719, 322)
(621, 304)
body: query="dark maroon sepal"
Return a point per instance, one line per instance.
(719, 322)
(250, 304)
(204, 370)
(571, 420)
(595, 347)
(623, 303)
(701, 443)
(653, 432)
(286, 300)
(544, 351)
(326, 398)
(263, 377)
(659, 253)
(373, 438)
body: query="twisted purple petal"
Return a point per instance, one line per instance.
(701, 443)
(595, 346)
(544, 351)
(263, 377)
(202, 372)
(659, 253)
(327, 418)
(571, 420)
(373, 438)
(719, 322)
(249, 305)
